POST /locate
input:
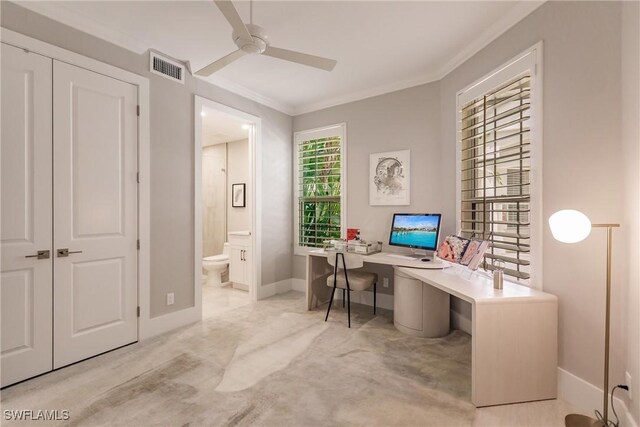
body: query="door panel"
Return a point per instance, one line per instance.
(26, 228)
(236, 264)
(95, 213)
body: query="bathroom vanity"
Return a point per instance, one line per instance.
(240, 264)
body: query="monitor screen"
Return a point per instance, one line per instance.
(418, 231)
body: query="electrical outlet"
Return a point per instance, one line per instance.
(170, 298)
(627, 380)
(385, 282)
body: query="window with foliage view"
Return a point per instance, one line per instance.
(319, 185)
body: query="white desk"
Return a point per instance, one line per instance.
(514, 330)
(318, 270)
(514, 337)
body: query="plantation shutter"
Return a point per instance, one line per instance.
(495, 174)
(319, 190)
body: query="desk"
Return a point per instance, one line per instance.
(514, 336)
(318, 270)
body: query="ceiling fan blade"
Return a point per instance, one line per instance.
(231, 14)
(217, 65)
(301, 58)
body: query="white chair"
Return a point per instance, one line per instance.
(348, 279)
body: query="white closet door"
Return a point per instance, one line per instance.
(95, 213)
(26, 283)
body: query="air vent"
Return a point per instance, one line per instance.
(166, 68)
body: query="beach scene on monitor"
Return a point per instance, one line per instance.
(415, 230)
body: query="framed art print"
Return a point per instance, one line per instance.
(389, 178)
(238, 196)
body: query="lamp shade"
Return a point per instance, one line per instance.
(569, 226)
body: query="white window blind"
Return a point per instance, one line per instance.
(319, 167)
(495, 174)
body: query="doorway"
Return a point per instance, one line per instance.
(226, 231)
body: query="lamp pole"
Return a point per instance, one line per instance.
(607, 322)
(572, 226)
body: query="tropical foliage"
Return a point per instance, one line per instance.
(319, 190)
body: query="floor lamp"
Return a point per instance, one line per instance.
(571, 226)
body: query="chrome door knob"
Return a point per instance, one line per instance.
(64, 252)
(40, 255)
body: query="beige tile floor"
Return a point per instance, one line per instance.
(275, 364)
(218, 300)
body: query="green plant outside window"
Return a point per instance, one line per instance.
(320, 190)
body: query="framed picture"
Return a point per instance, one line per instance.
(238, 197)
(389, 178)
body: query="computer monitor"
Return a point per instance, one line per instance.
(415, 231)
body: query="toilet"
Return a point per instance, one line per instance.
(216, 265)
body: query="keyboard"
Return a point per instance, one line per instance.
(408, 258)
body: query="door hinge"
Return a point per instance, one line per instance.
(138, 311)
(138, 177)
(138, 244)
(138, 110)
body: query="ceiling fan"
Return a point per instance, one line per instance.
(253, 39)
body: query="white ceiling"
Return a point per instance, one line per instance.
(380, 46)
(219, 128)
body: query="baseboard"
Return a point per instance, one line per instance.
(275, 288)
(159, 325)
(240, 286)
(588, 397)
(299, 285)
(366, 298)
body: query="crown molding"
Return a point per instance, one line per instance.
(517, 14)
(501, 26)
(223, 83)
(364, 94)
(73, 19)
(63, 14)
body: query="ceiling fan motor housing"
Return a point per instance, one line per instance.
(259, 43)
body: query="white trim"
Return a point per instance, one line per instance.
(89, 25)
(147, 326)
(298, 285)
(315, 133)
(519, 11)
(275, 288)
(68, 16)
(384, 301)
(530, 60)
(249, 94)
(255, 166)
(588, 397)
(167, 322)
(367, 93)
(57, 11)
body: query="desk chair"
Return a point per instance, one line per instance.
(349, 281)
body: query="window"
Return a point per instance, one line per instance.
(320, 186)
(497, 142)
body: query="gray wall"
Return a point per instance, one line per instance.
(406, 119)
(582, 160)
(172, 105)
(214, 199)
(581, 152)
(631, 150)
(238, 219)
